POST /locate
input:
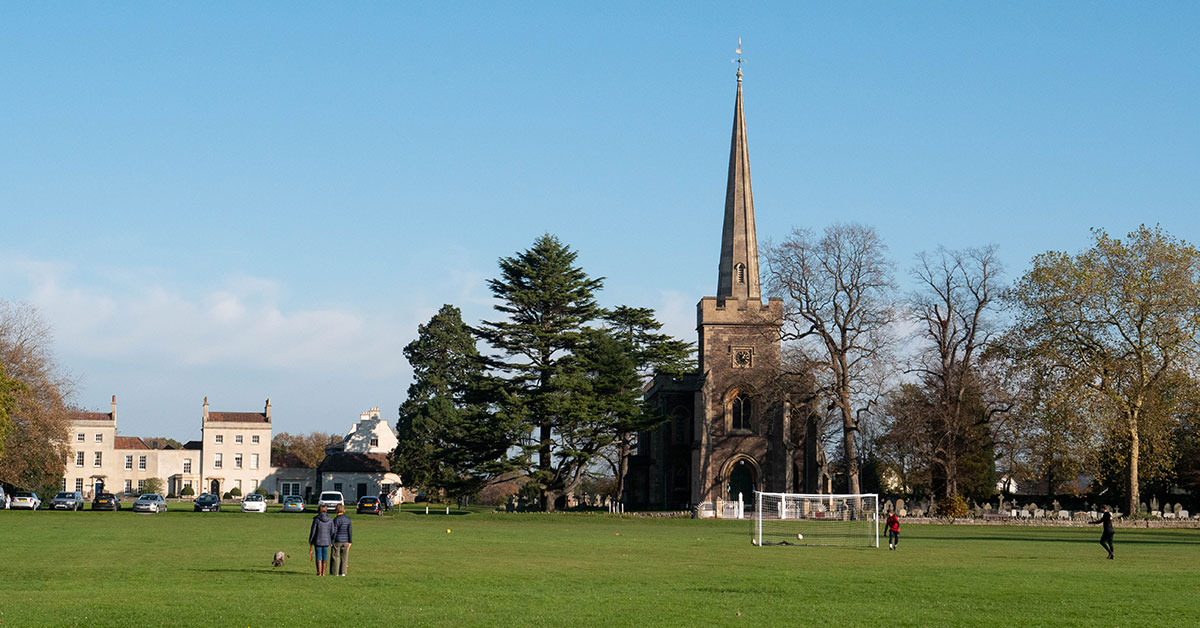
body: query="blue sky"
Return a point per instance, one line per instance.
(244, 201)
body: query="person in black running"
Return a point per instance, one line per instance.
(1106, 535)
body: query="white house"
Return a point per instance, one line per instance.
(358, 465)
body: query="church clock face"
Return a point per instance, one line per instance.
(743, 358)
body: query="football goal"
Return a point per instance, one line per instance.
(803, 519)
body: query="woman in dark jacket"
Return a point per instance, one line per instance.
(320, 537)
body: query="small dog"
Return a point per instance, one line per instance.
(279, 558)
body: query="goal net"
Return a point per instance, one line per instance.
(803, 519)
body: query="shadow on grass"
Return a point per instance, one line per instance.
(1121, 539)
(260, 571)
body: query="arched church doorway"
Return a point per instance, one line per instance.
(742, 480)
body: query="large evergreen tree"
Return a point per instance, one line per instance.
(547, 301)
(452, 438)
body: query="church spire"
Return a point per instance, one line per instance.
(738, 273)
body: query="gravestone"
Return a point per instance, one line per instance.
(1178, 508)
(900, 505)
(1055, 506)
(1064, 514)
(987, 508)
(1153, 503)
(1142, 507)
(903, 512)
(1039, 513)
(1183, 514)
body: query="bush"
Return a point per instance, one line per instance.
(172, 496)
(235, 492)
(227, 495)
(187, 492)
(953, 506)
(261, 491)
(153, 485)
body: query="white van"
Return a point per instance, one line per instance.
(330, 499)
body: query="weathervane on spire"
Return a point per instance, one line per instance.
(738, 60)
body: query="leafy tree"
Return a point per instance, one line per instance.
(1118, 320)
(153, 485)
(309, 449)
(546, 301)
(837, 291)
(452, 431)
(162, 442)
(650, 352)
(34, 451)
(9, 389)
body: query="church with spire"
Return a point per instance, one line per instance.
(741, 423)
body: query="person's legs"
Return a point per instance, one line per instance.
(1106, 541)
(334, 559)
(341, 558)
(321, 556)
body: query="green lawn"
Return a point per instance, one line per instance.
(213, 569)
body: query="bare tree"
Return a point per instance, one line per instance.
(953, 310)
(838, 307)
(35, 448)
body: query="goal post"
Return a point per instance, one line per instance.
(838, 520)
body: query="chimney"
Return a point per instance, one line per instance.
(114, 409)
(268, 411)
(206, 408)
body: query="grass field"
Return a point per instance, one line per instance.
(213, 569)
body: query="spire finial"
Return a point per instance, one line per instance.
(738, 60)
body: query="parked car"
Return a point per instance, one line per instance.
(369, 505)
(25, 500)
(106, 501)
(293, 503)
(150, 502)
(254, 503)
(67, 500)
(331, 499)
(4, 497)
(207, 502)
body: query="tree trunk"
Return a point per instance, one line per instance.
(544, 465)
(848, 449)
(622, 463)
(1134, 446)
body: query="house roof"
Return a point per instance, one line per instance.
(129, 442)
(239, 417)
(194, 445)
(91, 416)
(355, 463)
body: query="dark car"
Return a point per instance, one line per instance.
(106, 501)
(207, 502)
(370, 505)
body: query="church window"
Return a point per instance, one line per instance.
(740, 411)
(741, 273)
(680, 425)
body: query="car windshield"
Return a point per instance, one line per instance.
(66, 495)
(254, 498)
(22, 494)
(293, 500)
(331, 497)
(150, 497)
(105, 496)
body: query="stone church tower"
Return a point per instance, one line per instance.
(740, 423)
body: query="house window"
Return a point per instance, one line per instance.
(128, 486)
(289, 488)
(62, 484)
(337, 486)
(238, 439)
(141, 486)
(128, 463)
(79, 437)
(79, 458)
(79, 484)
(374, 441)
(219, 438)
(253, 485)
(254, 461)
(187, 484)
(99, 459)
(238, 485)
(141, 463)
(99, 438)
(217, 461)
(237, 461)
(187, 466)
(254, 440)
(740, 411)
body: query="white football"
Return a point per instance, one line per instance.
(799, 537)
(754, 541)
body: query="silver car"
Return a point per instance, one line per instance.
(26, 500)
(150, 502)
(67, 500)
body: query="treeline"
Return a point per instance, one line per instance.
(1084, 367)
